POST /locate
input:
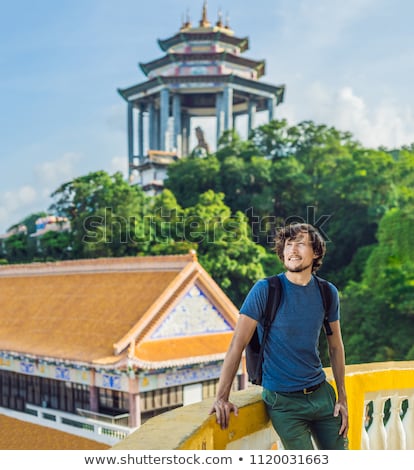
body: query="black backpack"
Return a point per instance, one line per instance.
(255, 349)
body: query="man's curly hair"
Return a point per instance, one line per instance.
(291, 232)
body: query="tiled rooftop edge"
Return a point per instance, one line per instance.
(100, 265)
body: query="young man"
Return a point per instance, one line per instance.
(299, 401)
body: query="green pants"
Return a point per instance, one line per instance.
(297, 417)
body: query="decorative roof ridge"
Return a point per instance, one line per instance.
(143, 87)
(141, 364)
(216, 33)
(174, 57)
(14, 354)
(101, 265)
(110, 361)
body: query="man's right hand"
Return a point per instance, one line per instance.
(223, 408)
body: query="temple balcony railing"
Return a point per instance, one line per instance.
(94, 426)
(380, 405)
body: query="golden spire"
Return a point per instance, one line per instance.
(227, 26)
(204, 23)
(219, 19)
(186, 24)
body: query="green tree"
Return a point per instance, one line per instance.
(225, 247)
(189, 177)
(164, 227)
(19, 248)
(55, 246)
(402, 190)
(379, 311)
(231, 145)
(106, 214)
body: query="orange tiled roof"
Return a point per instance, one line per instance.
(171, 349)
(95, 311)
(21, 435)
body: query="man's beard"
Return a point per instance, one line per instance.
(299, 269)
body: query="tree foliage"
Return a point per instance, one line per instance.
(379, 311)
(105, 212)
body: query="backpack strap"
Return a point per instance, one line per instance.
(326, 294)
(273, 300)
(255, 349)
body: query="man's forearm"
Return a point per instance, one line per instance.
(228, 372)
(242, 334)
(337, 358)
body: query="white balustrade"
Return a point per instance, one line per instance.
(397, 433)
(365, 423)
(376, 432)
(94, 429)
(408, 423)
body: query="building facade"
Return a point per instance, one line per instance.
(112, 340)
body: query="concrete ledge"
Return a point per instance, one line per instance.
(191, 427)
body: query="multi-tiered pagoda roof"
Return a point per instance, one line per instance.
(203, 73)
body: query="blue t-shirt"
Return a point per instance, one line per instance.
(291, 355)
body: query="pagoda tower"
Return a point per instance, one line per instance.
(202, 74)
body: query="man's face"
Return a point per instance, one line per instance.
(298, 254)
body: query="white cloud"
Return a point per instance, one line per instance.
(384, 123)
(27, 199)
(119, 164)
(54, 172)
(374, 124)
(16, 205)
(23, 196)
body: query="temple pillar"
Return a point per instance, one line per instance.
(251, 116)
(164, 115)
(177, 138)
(141, 132)
(157, 129)
(185, 119)
(271, 104)
(134, 402)
(228, 107)
(93, 398)
(134, 410)
(93, 392)
(152, 128)
(219, 117)
(130, 120)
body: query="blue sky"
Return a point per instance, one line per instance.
(346, 64)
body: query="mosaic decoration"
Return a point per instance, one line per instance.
(194, 315)
(5, 362)
(62, 373)
(185, 376)
(27, 367)
(111, 381)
